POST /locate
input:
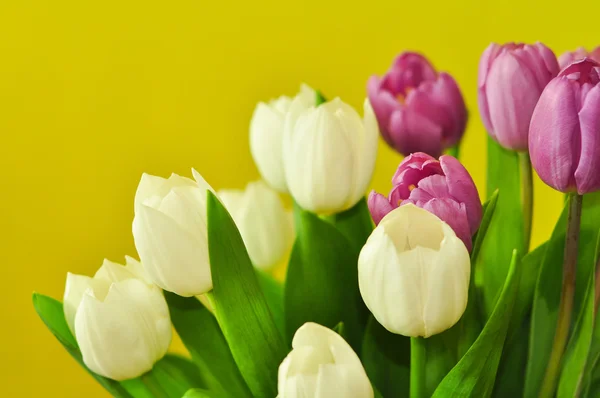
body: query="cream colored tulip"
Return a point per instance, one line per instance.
(414, 272)
(266, 134)
(329, 155)
(265, 226)
(322, 365)
(170, 232)
(119, 319)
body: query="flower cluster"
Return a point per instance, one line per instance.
(362, 272)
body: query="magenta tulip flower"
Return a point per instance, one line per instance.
(580, 53)
(442, 187)
(564, 136)
(511, 80)
(418, 109)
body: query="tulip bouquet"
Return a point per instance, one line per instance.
(421, 292)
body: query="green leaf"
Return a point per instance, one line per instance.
(200, 333)
(340, 329)
(241, 307)
(319, 98)
(356, 224)
(577, 351)
(548, 288)
(386, 358)
(51, 313)
(475, 373)
(505, 232)
(322, 280)
(273, 291)
(202, 393)
(469, 326)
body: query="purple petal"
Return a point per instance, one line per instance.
(455, 215)
(448, 98)
(384, 104)
(411, 132)
(414, 167)
(435, 186)
(554, 135)
(568, 57)
(463, 189)
(587, 174)
(379, 206)
(409, 70)
(399, 194)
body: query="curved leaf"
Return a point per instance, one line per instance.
(241, 308)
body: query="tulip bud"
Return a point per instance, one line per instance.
(119, 319)
(511, 79)
(329, 155)
(265, 226)
(266, 134)
(413, 273)
(442, 187)
(564, 136)
(571, 56)
(170, 233)
(418, 110)
(321, 365)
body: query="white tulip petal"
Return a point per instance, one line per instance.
(151, 186)
(368, 153)
(187, 207)
(201, 183)
(75, 288)
(112, 272)
(174, 258)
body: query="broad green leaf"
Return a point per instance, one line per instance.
(386, 358)
(51, 313)
(548, 288)
(577, 350)
(475, 373)
(202, 393)
(505, 232)
(273, 291)
(200, 333)
(356, 223)
(241, 308)
(322, 280)
(469, 326)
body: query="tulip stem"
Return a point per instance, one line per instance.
(418, 360)
(454, 150)
(526, 195)
(211, 300)
(565, 308)
(153, 386)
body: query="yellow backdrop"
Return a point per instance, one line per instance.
(93, 93)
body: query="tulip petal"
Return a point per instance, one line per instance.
(554, 135)
(412, 132)
(384, 104)
(453, 214)
(587, 174)
(74, 290)
(379, 206)
(367, 152)
(174, 259)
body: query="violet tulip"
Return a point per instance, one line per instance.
(442, 187)
(564, 141)
(580, 53)
(511, 80)
(417, 108)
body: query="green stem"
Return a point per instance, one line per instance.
(211, 300)
(453, 150)
(418, 359)
(566, 299)
(526, 195)
(153, 386)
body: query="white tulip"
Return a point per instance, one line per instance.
(322, 365)
(329, 154)
(413, 273)
(119, 319)
(266, 133)
(265, 226)
(170, 233)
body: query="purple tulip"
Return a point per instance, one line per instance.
(564, 136)
(570, 56)
(442, 187)
(418, 110)
(511, 80)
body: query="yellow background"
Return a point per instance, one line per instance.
(93, 93)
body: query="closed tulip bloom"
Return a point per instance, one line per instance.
(564, 136)
(266, 135)
(418, 109)
(511, 80)
(413, 273)
(170, 233)
(322, 365)
(265, 226)
(119, 319)
(329, 154)
(442, 187)
(579, 54)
